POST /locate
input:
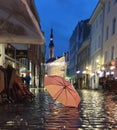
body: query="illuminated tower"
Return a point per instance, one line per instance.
(51, 46)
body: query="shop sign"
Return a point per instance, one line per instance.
(21, 54)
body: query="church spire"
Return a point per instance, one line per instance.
(51, 45)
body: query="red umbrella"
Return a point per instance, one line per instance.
(62, 91)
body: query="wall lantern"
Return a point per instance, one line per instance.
(107, 73)
(84, 72)
(78, 71)
(92, 74)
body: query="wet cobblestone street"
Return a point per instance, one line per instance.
(97, 111)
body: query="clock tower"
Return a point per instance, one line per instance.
(51, 46)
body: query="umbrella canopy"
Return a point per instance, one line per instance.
(25, 71)
(62, 91)
(19, 22)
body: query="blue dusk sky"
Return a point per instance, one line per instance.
(62, 16)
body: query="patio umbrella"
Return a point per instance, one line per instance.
(62, 91)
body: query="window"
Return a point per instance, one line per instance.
(95, 45)
(107, 31)
(105, 57)
(112, 53)
(114, 1)
(100, 18)
(108, 7)
(114, 26)
(99, 41)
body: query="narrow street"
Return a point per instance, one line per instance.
(97, 111)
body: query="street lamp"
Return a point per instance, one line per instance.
(78, 71)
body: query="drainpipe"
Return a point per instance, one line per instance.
(34, 76)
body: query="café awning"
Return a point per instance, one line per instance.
(19, 23)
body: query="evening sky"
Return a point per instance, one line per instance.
(62, 16)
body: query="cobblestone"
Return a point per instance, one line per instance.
(97, 111)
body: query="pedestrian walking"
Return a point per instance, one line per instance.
(27, 80)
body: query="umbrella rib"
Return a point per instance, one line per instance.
(59, 83)
(71, 93)
(66, 90)
(60, 91)
(69, 89)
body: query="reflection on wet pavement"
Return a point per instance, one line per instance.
(97, 111)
